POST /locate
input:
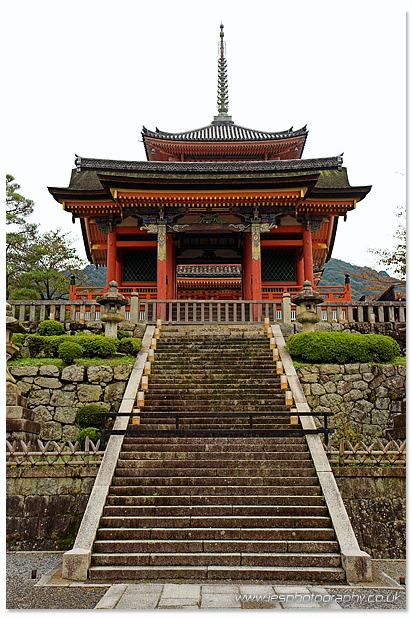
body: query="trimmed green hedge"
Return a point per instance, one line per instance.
(50, 327)
(338, 347)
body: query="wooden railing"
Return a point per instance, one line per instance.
(393, 453)
(205, 311)
(20, 454)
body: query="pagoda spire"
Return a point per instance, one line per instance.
(222, 88)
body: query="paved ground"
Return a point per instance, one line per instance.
(46, 590)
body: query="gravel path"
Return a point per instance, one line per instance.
(21, 592)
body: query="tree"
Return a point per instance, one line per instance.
(17, 206)
(395, 259)
(38, 266)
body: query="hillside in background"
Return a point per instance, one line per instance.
(364, 281)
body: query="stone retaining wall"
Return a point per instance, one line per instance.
(363, 398)
(45, 506)
(55, 394)
(375, 499)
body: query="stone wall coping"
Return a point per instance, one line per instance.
(356, 563)
(367, 471)
(76, 562)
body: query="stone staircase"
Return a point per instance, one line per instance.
(210, 504)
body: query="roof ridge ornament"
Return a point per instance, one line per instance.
(222, 87)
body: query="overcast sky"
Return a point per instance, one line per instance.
(84, 76)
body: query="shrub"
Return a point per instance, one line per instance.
(91, 432)
(69, 350)
(18, 339)
(130, 345)
(50, 327)
(88, 416)
(338, 347)
(121, 334)
(52, 343)
(97, 345)
(35, 344)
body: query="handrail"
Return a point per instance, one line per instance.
(176, 415)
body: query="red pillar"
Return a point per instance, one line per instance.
(170, 267)
(247, 268)
(118, 271)
(307, 254)
(300, 267)
(111, 256)
(161, 262)
(256, 268)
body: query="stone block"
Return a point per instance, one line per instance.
(61, 398)
(49, 371)
(122, 372)
(88, 393)
(24, 370)
(99, 373)
(114, 391)
(51, 431)
(39, 397)
(65, 415)
(48, 382)
(73, 373)
(76, 564)
(41, 414)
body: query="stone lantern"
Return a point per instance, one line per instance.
(111, 312)
(12, 326)
(306, 302)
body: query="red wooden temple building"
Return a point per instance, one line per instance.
(220, 212)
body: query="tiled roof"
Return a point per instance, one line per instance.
(209, 270)
(104, 165)
(225, 132)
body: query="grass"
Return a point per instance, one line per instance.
(58, 362)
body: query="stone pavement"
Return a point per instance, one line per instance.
(216, 596)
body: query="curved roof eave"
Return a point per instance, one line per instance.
(223, 131)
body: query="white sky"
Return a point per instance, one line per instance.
(84, 76)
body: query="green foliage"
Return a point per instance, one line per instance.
(98, 345)
(69, 350)
(35, 343)
(38, 266)
(52, 343)
(122, 334)
(338, 347)
(18, 339)
(88, 416)
(50, 327)
(130, 345)
(92, 432)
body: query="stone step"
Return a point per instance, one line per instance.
(221, 444)
(124, 499)
(121, 488)
(216, 559)
(213, 473)
(216, 511)
(124, 477)
(128, 460)
(219, 535)
(110, 542)
(283, 574)
(221, 521)
(193, 456)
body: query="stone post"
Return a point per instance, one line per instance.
(134, 307)
(286, 309)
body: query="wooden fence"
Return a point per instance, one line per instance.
(393, 453)
(20, 454)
